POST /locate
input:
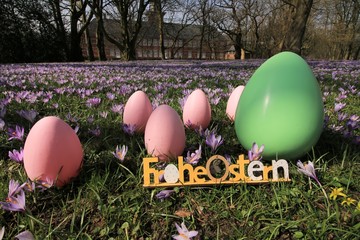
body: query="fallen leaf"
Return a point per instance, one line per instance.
(183, 213)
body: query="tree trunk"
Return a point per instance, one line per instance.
(89, 49)
(160, 26)
(294, 37)
(75, 48)
(238, 46)
(61, 31)
(356, 54)
(100, 39)
(129, 54)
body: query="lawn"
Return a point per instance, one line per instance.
(107, 199)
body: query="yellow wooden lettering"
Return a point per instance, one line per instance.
(199, 171)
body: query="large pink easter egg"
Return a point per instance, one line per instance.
(52, 151)
(233, 102)
(197, 110)
(164, 134)
(137, 110)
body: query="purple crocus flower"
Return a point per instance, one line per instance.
(129, 128)
(44, 184)
(164, 194)
(193, 158)
(339, 106)
(96, 132)
(15, 203)
(214, 141)
(17, 133)
(120, 153)
(184, 233)
(71, 118)
(308, 170)
(110, 96)
(29, 115)
(215, 100)
(93, 102)
(182, 102)
(104, 114)
(16, 155)
(25, 235)
(117, 108)
(352, 123)
(189, 124)
(161, 178)
(341, 116)
(255, 152)
(28, 186)
(200, 131)
(14, 188)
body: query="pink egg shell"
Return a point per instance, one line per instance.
(164, 134)
(137, 110)
(233, 102)
(52, 151)
(197, 110)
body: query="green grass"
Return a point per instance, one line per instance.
(107, 199)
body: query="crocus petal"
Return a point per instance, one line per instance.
(184, 228)
(192, 234)
(25, 235)
(2, 232)
(14, 188)
(179, 229)
(261, 148)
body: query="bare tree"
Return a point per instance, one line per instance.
(60, 26)
(257, 11)
(300, 11)
(229, 18)
(77, 10)
(130, 14)
(89, 48)
(97, 6)
(347, 26)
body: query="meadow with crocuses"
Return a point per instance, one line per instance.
(107, 199)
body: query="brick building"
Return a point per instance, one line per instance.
(181, 41)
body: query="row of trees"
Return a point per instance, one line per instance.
(51, 30)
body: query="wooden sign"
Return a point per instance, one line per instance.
(243, 171)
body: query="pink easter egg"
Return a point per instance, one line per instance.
(164, 134)
(197, 110)
(52, 151)
(233, 102)
(137, 111)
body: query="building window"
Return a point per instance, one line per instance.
(156, 42)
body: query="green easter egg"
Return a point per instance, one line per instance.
(281, 107)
